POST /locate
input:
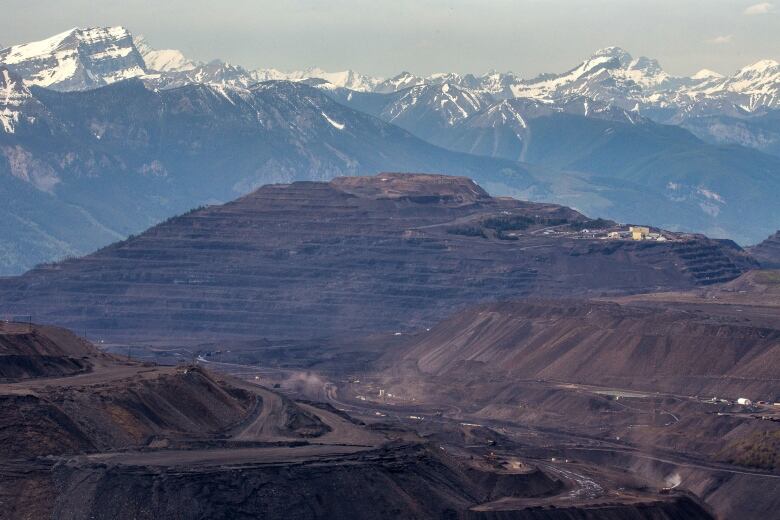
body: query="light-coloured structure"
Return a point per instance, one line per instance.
(639, 232)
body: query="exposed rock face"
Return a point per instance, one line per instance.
(383, 253)
(77, 59)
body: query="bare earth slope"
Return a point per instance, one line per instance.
(134, 441)
(650, 382)
(650, 349)
(28, 351)
(361, 254)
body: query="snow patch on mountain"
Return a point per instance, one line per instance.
(333, 123)
(13, 98)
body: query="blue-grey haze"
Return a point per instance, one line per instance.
(383, 37)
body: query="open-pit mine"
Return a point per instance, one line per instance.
(395, 346)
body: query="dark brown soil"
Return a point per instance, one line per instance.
(602, 344)
(28, 351)
(133, 441)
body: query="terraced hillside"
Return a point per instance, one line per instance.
(137, 441)
(651, 383)
(768, 251)
(361, 254)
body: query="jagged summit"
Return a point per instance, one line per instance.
(162, 60)
(618, 53)
(77, 59)
(80, 59)
(645, 63)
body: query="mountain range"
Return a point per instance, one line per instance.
(83, 169)
(330, 295)
(84, 58)
(102, 135)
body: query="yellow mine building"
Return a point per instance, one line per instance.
(639, 232)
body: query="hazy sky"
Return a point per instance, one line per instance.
(383, 37)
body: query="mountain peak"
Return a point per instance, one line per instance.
(646, 65)
(77, 59)
(707, 74)
(162, 60)
(613, 52)
(403, 76)
(760, 67)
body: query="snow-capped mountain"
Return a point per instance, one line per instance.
(401, 81)
(752, 88)
(85, 58)
(345, 79)
(162, 60)
(439, 105)
(717, 108)
(77, 59)
(504, 128)
(706, 74)
(149, 149)
(610, 74)
(216, 73)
